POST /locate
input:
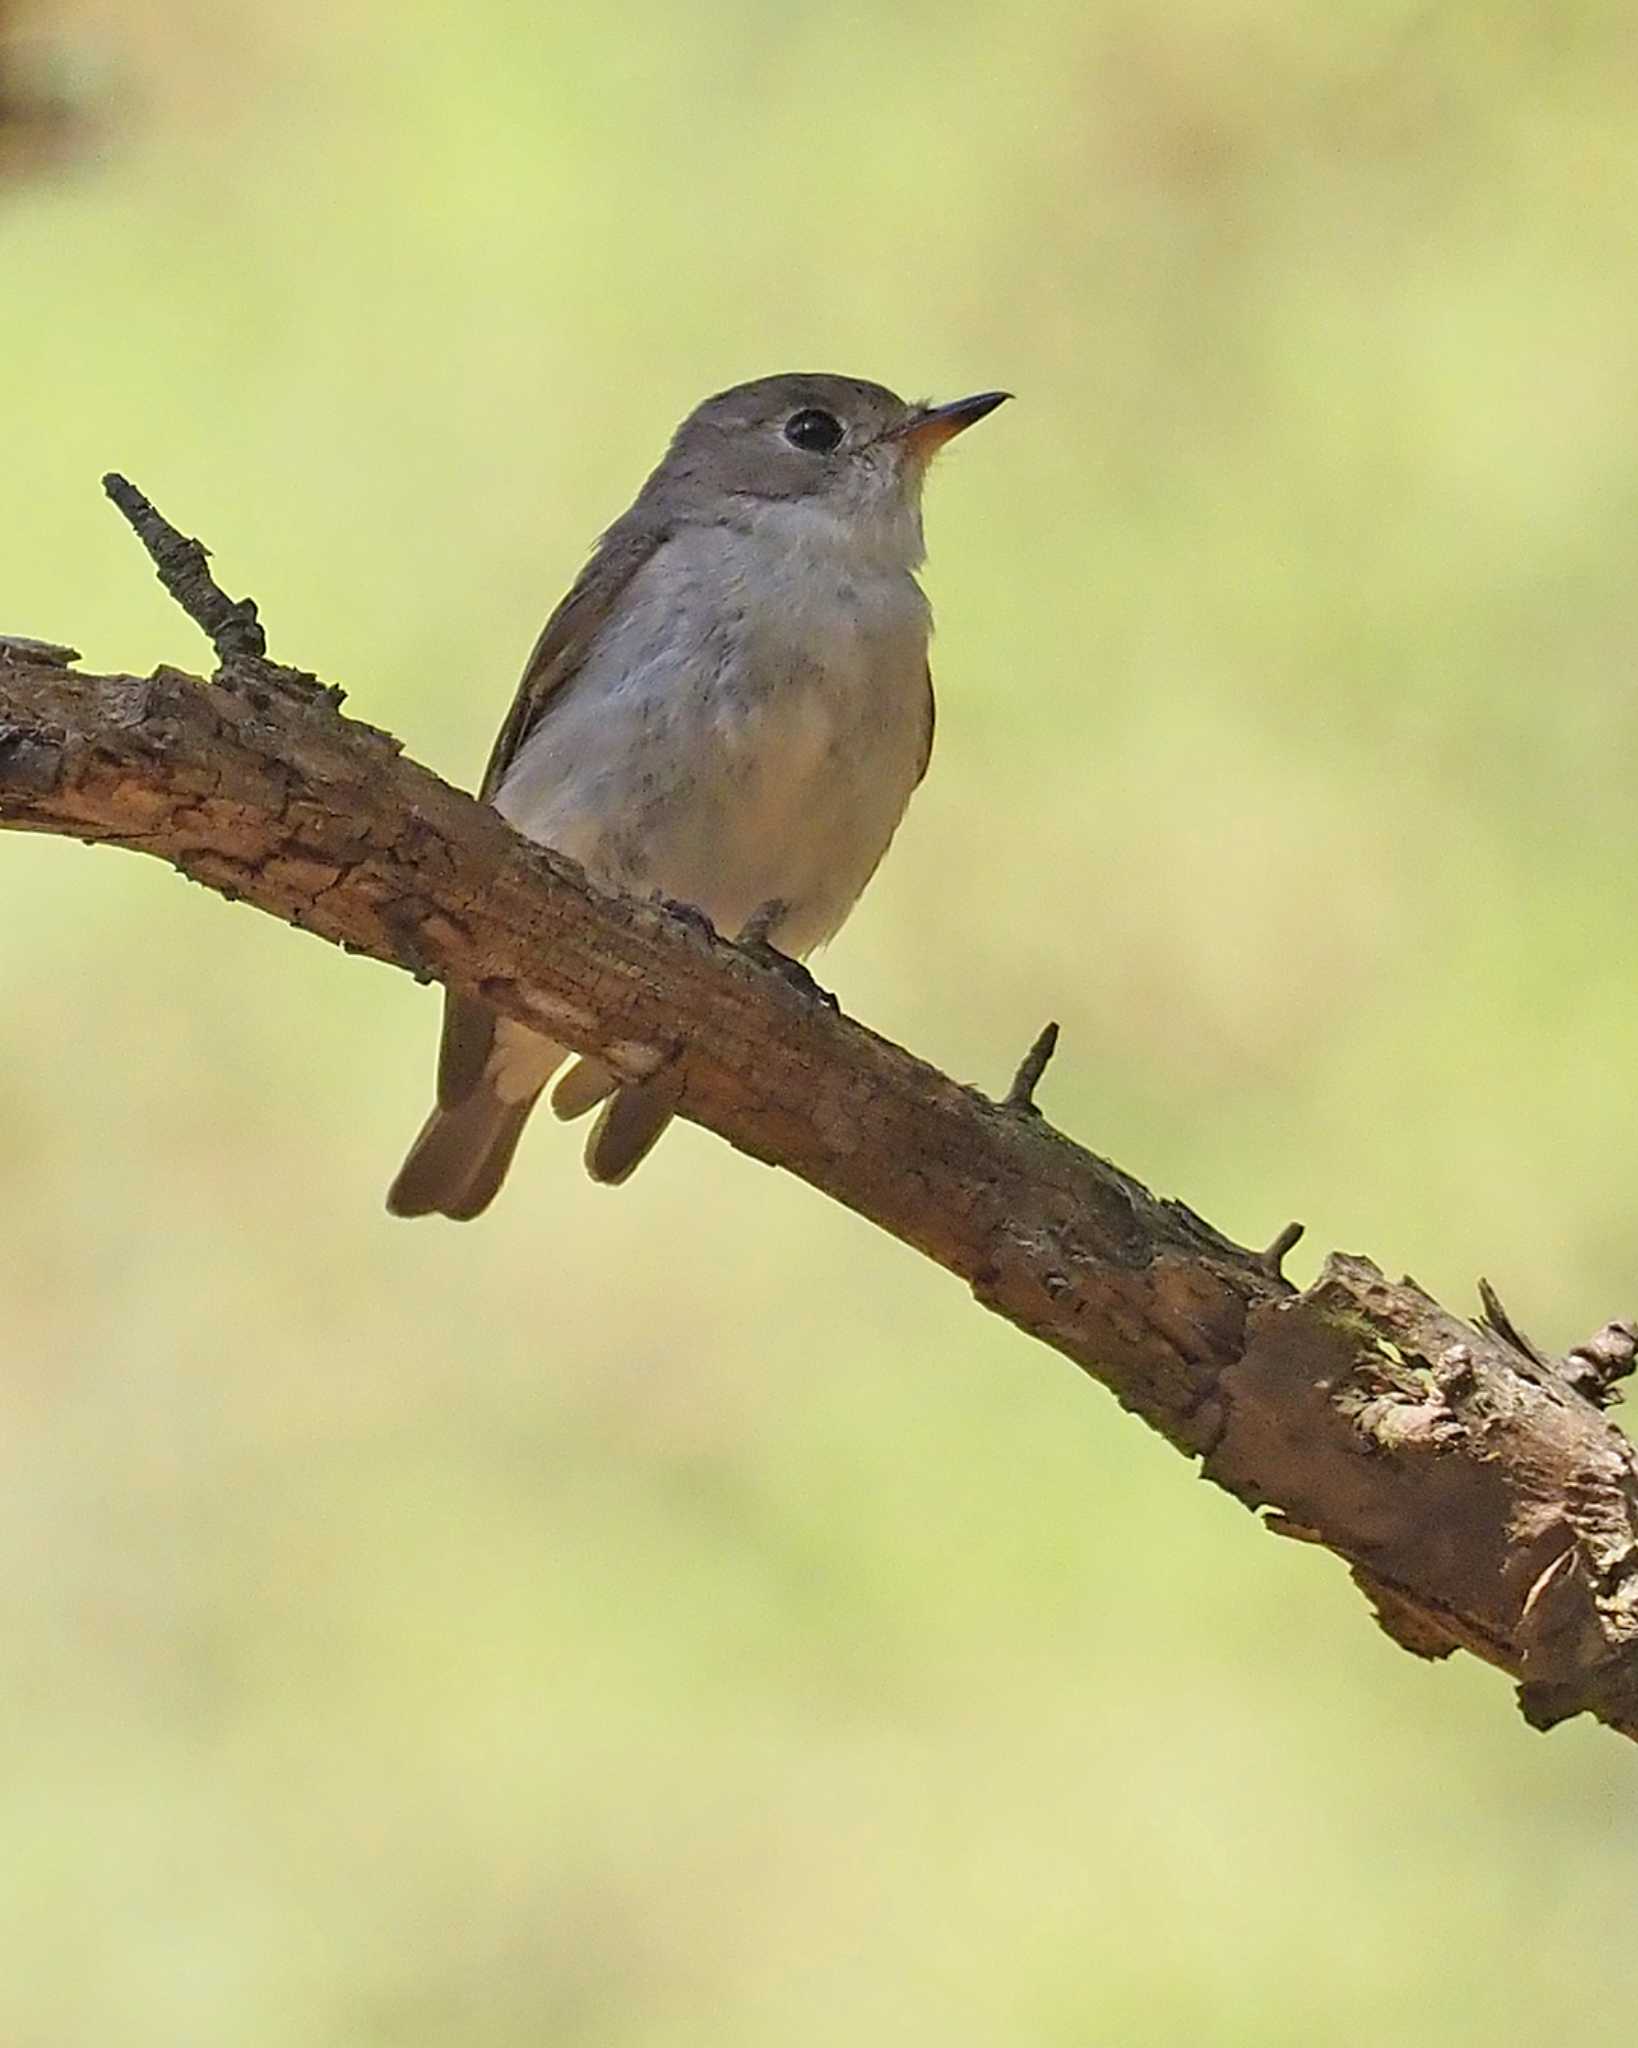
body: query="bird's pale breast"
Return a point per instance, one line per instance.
(749, 726)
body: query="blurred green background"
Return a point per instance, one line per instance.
(681, 1617)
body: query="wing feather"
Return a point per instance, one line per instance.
(558, 656)
(568, 635)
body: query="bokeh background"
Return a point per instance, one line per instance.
(681, 1616)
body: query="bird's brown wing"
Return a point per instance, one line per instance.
(559, 654)
(932, 721)
(567, 636)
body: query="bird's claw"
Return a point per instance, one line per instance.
(691, 914)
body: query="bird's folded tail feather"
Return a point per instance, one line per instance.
(629, 1126)
(456, 1165)
(587, 1083)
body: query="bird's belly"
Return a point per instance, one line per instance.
(795, 790)
(756, 783)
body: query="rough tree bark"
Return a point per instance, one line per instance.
(1474, 1487)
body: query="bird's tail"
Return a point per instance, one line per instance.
(456, 1166)
(587, 1083)
(629, 1126)
(633, 1116)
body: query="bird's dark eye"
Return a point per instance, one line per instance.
(815, 431)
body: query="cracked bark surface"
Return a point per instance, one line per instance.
(1475, 1488)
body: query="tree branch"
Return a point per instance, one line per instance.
(1473, 1486)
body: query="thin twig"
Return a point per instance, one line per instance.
(229, 624)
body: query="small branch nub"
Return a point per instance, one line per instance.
(1021, 1095)
(1594, 1367)
(1272, 1258)
(230, 624)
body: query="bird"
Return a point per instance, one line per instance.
(729, 711)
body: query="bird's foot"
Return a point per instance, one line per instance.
(690, 913)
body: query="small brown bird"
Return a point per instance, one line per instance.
(730, 709)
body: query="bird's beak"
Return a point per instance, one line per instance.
(930, 426)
